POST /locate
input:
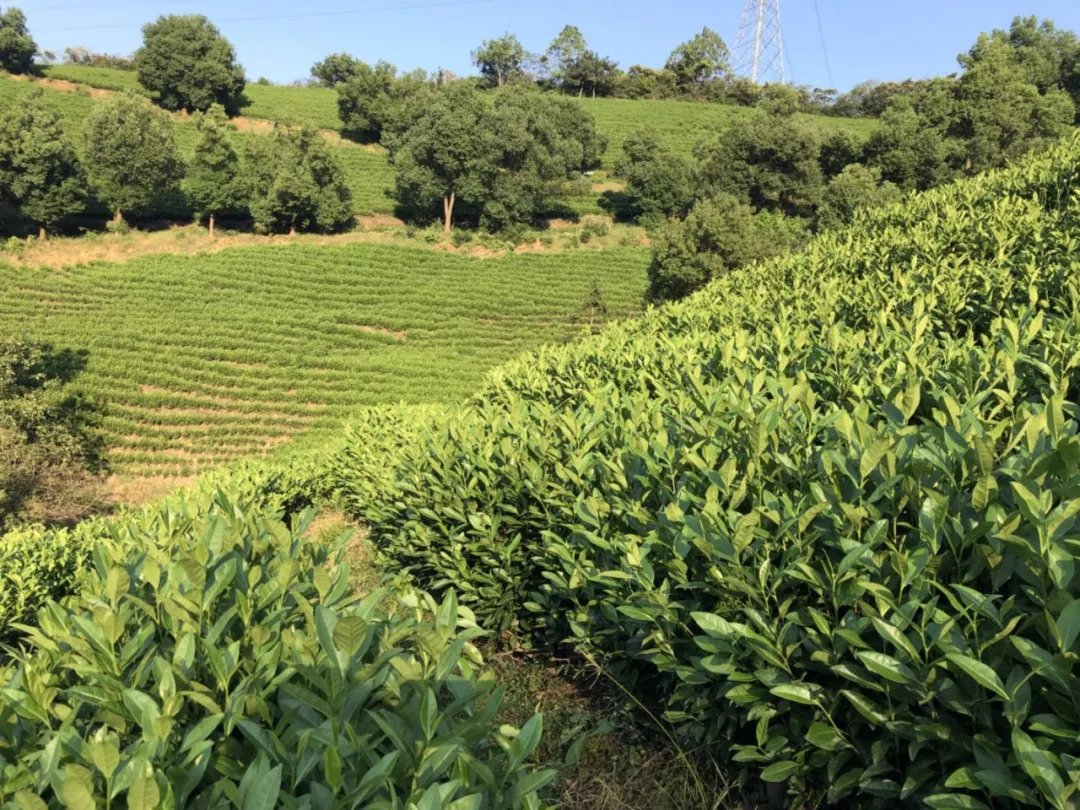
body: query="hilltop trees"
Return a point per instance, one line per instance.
(189, 64)
(213, 183)
(699, 60)
(336, 69)
(130, 152)
(296, 182)
(39, 170)
(501, 60)
(563, 54)
(376, 98)
(17, 49)
(503, 159)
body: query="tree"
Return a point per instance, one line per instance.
(591, 75)
(699, 61)
(768, 160)
(336, 69)
(375, 98)
(500, 60)
(564, 53)
(717, 236)
(39, 170)
(908, 150)
(17, 49)
(657, 179)
(856, 187)
(839, 151)
(1050, 57)
(1001, 112)
(295, 182)
(214, 183)
(501, 160)
(594, 307)
(189, 64)
(130, 153)
(644, 82)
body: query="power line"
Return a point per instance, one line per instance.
(263, 17)
(824, 47)
(109, 5)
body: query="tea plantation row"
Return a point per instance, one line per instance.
(201, 360)
(822, 513)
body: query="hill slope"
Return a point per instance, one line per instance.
(681, 123)
(202, 360)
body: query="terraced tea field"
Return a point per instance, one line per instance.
(202, 360)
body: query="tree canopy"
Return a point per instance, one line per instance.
(189, 64)
(376, 98)
(336, 69)
(501, 60)
(563, 54)
(500, 158)
(296, 182)
(130, 153)
(657, 179)
(17, 48)
(39, 170)
(699, 60)
(214, 183)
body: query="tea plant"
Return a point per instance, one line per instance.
(222, 662)
(824, 511)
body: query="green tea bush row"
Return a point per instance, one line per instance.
(223, 662)
(824, 512)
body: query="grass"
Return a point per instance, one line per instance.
(201, 360)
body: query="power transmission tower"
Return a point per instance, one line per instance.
(759, 46)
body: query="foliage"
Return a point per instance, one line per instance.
(699, 60)
(336, 69)
(376, 98)
(501, 61)
(908, 152)
(214, 183)
(717, 236)
(769, 160)
(130, 153)
(39, 170)
(501, 158)
(657, 179)
(82, 56)
(592, 75)
(17, 49)
(855, 188)
(838, 151)
(823, 512)
(563, 55)
(223, 659)
(296, 182)
(189, 65)
(1002, 114)
(48, 439)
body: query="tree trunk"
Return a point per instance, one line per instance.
(292, 229)
(448, 211)
(211, 226)
(41, 233)
(118, 217)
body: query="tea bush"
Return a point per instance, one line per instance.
(824, 511)
(223, 662)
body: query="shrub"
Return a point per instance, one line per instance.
(657, 179)
(823, 512)
(461, 237)
(226, 659)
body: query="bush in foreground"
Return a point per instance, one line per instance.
(224, 660)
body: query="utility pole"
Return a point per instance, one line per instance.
(759, 46)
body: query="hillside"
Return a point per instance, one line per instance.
(681, 123)
(823, 513)
(201, 360)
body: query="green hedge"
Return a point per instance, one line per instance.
(823, 511)
(222, 661)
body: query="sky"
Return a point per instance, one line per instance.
(281, 39)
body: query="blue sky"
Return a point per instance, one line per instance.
(883, 40)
